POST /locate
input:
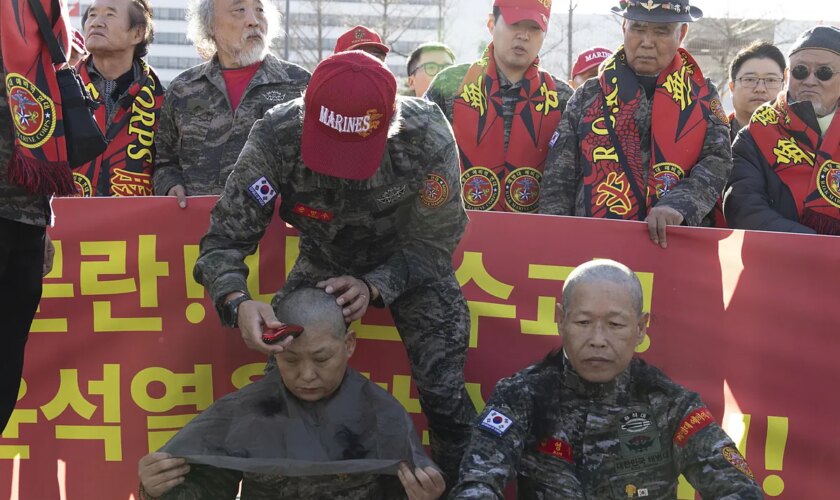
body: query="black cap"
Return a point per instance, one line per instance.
(658, 11)
(818, 37)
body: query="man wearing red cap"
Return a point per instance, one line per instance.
(648, 139)
(130, 95)
(504, 109)
(364, 39)
(586, 66)
(371, 181)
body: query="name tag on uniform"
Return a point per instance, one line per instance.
(313, 213)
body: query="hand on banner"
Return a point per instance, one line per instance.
(160, 472)
(659, 217)
(179, 192)
(255, 317)
(425, 483)
(354, 295)
(49, 254)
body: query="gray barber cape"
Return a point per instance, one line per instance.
(264, 434)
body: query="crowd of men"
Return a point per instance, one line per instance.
(379, 185)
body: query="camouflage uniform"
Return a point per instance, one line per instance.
(22, 221)
(444, 89)
(200, 136)
(572, 439)
(694, 197)
(386, 229)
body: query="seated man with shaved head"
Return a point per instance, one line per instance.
(319, 430)
(592, 421)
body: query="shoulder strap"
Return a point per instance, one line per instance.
(56, 52)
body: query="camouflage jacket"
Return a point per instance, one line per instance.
(15, 203)
(630, 438)
(444, 89)
(398, 228)
(200, 136)
(694, 197)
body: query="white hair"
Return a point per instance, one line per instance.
(201, 19)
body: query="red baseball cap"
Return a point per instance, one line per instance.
(514, 11)
(349, 104)
(590, 58)
(358, 37)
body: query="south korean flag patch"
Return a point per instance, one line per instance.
(262, 191)
(495, 422)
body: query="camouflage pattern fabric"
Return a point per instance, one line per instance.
(694, 197)
(348, 446)
(15, 203)
(199, 137)
(563, 437)
(444, 89)
(397, 229)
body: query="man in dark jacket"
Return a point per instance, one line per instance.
(787, 162)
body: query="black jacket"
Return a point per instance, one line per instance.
(755, 196)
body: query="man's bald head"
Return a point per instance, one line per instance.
(312, 306)
(603, 270)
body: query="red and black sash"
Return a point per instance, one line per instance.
(39, 161)
(616, 183)
(489, 173)
(807, 164)
(125, 168)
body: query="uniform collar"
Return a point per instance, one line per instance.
(594, 390)
(271, 70)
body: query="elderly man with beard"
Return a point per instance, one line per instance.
(209, 109)
(648, 139)
(787, 161)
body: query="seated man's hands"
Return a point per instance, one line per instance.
(253, 318)
(659, 217)
(354, 295)
(425, 483)
(160, 472)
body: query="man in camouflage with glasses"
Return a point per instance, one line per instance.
(787, 161)
(424, 63)
(504, 109)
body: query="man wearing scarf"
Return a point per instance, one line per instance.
(314, 429)
(504, 109)
(787, 161)
(648, 139)
(118, 33)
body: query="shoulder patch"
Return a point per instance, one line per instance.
(435, 191)
(692, 424)
(262, 191)
(734, 457)
(717, 109)
(495, 422)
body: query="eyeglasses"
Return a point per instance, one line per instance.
(823, 73)
(431, 68)
(751, 82)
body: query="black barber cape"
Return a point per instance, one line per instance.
(262, 428)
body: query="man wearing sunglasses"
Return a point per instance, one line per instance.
(787, 162)
(504, 109)
(424, 63)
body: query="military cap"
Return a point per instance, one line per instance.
(658, 11)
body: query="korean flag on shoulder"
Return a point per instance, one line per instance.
(495, 422)
(262, 191)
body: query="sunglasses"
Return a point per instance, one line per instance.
(431, 68)
(823, 73)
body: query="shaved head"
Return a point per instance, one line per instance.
(308, 307)
(603, 270)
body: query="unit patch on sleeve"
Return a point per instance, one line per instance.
(692, 424)
(262, 191)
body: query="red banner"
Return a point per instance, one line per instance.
(126, 347)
